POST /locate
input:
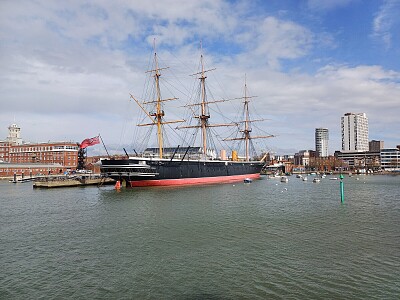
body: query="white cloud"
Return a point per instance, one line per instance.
(282, 40)
(66, 69)
(385, 20)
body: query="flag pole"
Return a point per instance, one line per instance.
(104, 145)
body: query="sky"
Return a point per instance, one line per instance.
(67, 68)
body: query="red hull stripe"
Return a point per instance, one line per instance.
(193, 181)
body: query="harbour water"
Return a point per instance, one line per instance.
(264, 240)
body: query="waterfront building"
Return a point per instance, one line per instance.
(354, 132)
(30, 169)
(360, 160)
(4, 151)
(325, 164)
(281, 158)
(63, 153)
(321, 141)
(14, 135)
(376, 146)
(303, 157)
(25, 158)
(390, 159)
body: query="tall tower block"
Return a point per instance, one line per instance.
(321, 141)
(354, 132)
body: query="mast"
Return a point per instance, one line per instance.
(203, 117)
(247, 128)
(247, 125)
(158, 115)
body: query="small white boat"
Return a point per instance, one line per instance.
(248, 180)
(299, 176)
(276, 175)
(333, 178)
(284, 179)
(305, 178)
(316, 180)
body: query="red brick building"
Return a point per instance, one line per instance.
(7, 170)
(25, 158)
(4, 151)
(63, 153)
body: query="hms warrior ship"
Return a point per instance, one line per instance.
(188, 165)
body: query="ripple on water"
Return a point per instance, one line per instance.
(257, 241)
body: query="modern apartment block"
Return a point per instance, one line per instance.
(321, 141)
(354, 132)
(390, 159)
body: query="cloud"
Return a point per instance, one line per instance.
(66, 69)
(271, 40)
(385, 20)
(282, 40)
(298, 103)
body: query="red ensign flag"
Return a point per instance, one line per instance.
(90, 142)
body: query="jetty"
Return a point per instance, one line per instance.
(71, 181)
(19, 180)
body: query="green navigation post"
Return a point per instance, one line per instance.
(341, 189)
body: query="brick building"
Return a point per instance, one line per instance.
(27, 169)
(4, 151)
(63, 153)
(20, 157)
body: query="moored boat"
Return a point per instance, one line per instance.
(284, 179)
(248, 180)
(180, 166)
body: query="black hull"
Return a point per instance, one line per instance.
(147, 172)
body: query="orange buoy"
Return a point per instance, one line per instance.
(117, 185)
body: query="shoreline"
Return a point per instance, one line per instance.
(18, 177)
(295, 173)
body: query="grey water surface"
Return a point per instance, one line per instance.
(264, 240)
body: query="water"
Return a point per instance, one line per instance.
(264, 240)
